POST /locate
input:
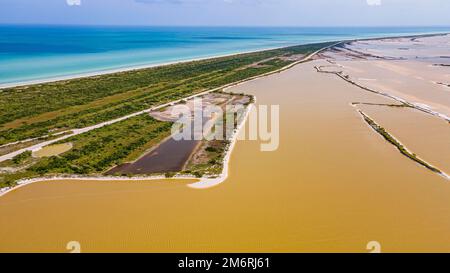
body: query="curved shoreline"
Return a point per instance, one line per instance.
(400, 146)
(27, 182)
(134, 68)
(203, 183)
(419, 107)
(139, 67)
(78, 131)
(207, 183)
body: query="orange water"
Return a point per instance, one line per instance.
(333, 186)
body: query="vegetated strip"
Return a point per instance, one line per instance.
(382, 104)
(94, 118)
(403, 150)
(11, 147)
(95, 151)
(346, 78)
(37, 110)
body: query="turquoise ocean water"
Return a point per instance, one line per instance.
(33, 53)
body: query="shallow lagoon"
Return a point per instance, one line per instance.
(333, 186)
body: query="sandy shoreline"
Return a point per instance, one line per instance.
(139, 67)
(127, 69)
(418, 106)
(209, 183)
(419, 161)
(89, 128)
(330, 180)
(204, 182)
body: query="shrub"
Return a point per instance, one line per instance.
(20, 158)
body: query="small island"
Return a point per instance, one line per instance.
(108, 125)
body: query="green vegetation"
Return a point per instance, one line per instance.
(170, 175)
(210, 156)
(20, 145)
(211, 149)
(37, 110)
(210, 160)
(20, 158)
(275, 62)
(402, 105)
(98, 150)
(40, 111)
(397, 144)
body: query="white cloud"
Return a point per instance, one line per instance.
(73, 2)
(374, 2)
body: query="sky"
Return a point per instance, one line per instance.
(228, 12)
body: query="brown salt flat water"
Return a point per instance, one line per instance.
(333, 186)
(423, 134)
(409, 80)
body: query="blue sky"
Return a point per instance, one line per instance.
(228, 12)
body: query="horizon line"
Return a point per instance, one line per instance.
(223, 26)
